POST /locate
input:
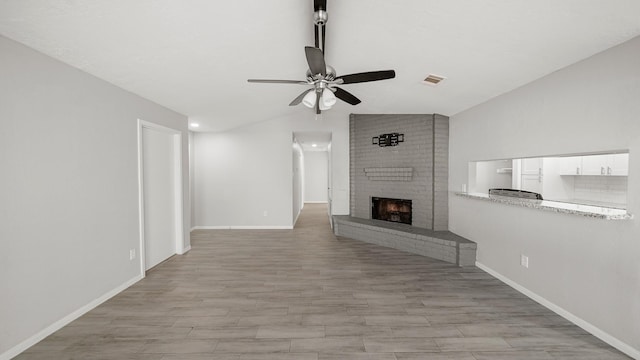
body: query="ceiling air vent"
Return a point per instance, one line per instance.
(433, 79)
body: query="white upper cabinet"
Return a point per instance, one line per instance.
(594, 165)
(601, 165)
(618, 164)
(571, 165)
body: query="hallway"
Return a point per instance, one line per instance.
(305, 294)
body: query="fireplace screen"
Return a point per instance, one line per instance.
(395, 210)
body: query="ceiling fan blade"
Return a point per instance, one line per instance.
(298, 100)
(319, 5)
(264, 81)
(346, 96)
(317, 103)
(367, 76)
(315, 58)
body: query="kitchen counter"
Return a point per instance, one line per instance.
(597, 212)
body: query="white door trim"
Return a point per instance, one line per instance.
(178, 212)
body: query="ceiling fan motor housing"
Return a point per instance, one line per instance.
(331, 74)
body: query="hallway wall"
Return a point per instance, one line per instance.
(240, 173)
(316, 176)
(68, 191)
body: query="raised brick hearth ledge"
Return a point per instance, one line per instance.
(441, 245)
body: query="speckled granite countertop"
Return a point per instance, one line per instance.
(597, 212)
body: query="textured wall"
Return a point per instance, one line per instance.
(441, 173)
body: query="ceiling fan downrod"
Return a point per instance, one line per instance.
(320, 18)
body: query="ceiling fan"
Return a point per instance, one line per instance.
(322, 78)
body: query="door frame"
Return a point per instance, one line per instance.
(330, 180)
(178, 210)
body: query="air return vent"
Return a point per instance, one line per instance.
(433, 79)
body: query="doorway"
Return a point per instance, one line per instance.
(160, 181)
(315, 169)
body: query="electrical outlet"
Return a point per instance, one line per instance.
(264, 213)
(524, 261)
(132, 254)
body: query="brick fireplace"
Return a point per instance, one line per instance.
(415, 168)
(399, 173)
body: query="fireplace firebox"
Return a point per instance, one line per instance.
(394, 210)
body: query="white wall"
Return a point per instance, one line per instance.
(589, 268)
(315, 176)
(298, 180)
(68, 191)
(241, 173)
(191, 176)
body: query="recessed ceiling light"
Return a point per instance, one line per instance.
(433, 79)
(194, 125)
(314, 145)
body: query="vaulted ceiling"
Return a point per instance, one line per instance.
(194, 56)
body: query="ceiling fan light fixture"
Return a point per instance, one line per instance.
(328, 98)
(309, 100)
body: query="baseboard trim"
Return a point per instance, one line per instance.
(185, 250)
(26, 344)
(594, 330)
(297, 216)
(316, 202)
(276, 227)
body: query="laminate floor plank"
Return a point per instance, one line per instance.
(304, 294)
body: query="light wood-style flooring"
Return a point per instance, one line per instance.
(305, 294)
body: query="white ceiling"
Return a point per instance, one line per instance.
(194, 56)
